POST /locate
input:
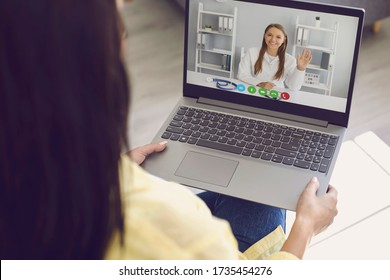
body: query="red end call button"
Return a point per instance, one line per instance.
(285, 95)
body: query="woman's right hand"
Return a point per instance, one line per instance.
(266, 85)
(316, 212)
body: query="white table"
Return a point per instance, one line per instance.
(361, 229)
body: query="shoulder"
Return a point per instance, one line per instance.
(254, 50)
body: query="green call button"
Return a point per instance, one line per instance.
(251, 89)
(274, 94)
(262, 91)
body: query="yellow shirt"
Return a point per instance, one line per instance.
(164, 220)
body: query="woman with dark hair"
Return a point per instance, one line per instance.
(67, 191)
(270, 65)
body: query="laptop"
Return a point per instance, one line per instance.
(229, 135)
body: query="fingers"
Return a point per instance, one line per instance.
(307, 55)
(266, 85)
(152, 148)
(313, 185)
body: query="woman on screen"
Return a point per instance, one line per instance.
(270, 66)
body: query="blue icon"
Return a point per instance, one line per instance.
(241, 87)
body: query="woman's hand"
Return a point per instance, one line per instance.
(317, 212)
(138, 155)
(303, 59)
(266, 85)
(314, 214)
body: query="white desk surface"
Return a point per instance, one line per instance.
(299, 97)
(367, 240)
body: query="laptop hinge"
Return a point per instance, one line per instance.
(262, 112)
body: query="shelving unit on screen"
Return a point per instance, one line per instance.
(216, 41)
(319, 75)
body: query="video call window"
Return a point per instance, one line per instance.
(290, 55)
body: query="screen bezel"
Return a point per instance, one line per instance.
(332, 117)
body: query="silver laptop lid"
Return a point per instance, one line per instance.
(220, 34)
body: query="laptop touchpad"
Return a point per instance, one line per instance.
(207, 169)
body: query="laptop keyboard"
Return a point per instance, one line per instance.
(257, 139)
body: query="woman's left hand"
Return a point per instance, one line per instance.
(303, 59)
(138, 155)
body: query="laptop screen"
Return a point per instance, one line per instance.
(287, 56)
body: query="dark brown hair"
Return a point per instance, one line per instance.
(63, 116)
(281, 52)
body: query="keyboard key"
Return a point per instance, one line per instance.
(241, 143)
(288, 161)
(205, 136)
(324, 165)
(196, 134)
(192, 140)
(178, 118)
(239, 136)
(332, 142)
(250, 145)
(246, 152)
(297, 135)
(314, 166)
(219, 146)
(260, 148)
(290, 147)
(174, 137)
(174, 129)
(266, 156)
(186, 125)
(324, 140)
(267, 142)
(269, 149)
(166, 135)
(277, 158)
(329, 152)
(285, 153)
(256, 154)
(302, 164)
(181, 112)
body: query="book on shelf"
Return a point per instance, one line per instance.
(203, 41)
(327, 61)
(199, 41)
(230, 25)
(226, 62)
(299, 36)
(229, 60)
(305, 37)
(225, 25)
(220, 24)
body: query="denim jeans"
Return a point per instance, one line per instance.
(250, 221)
